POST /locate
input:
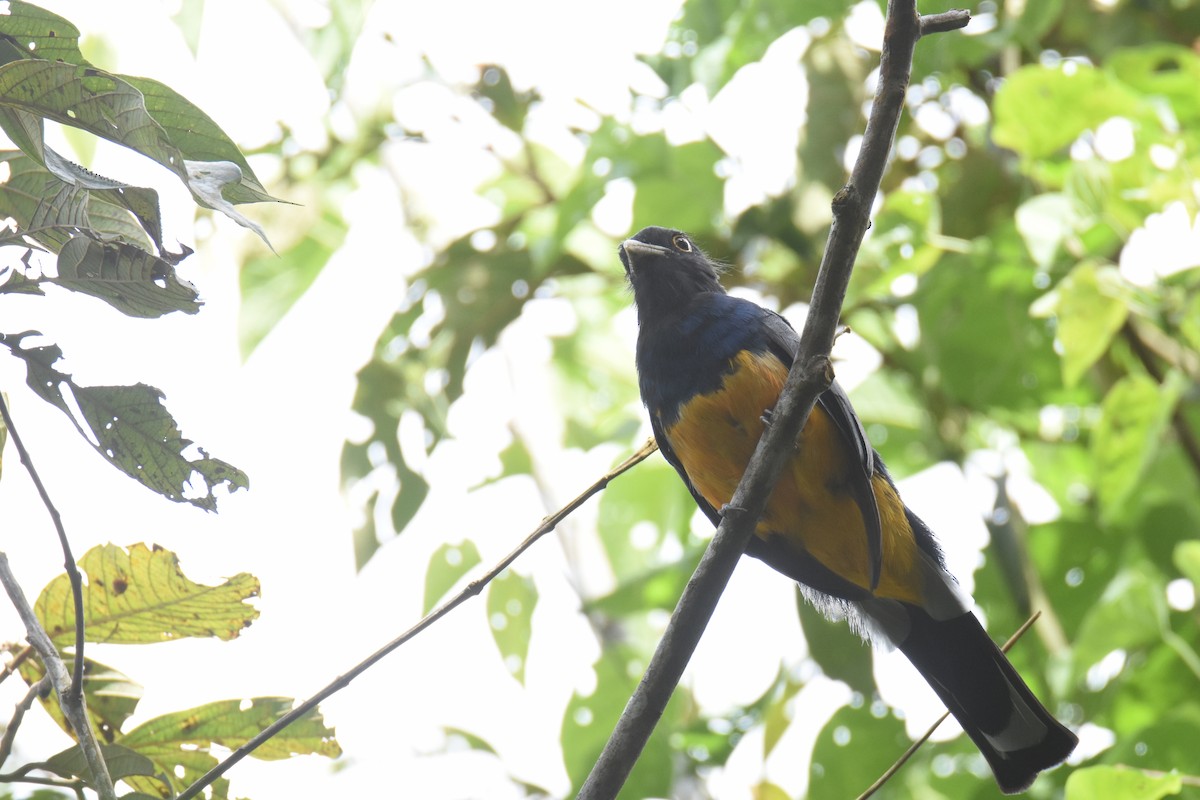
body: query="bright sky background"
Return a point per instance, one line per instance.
(282, 416)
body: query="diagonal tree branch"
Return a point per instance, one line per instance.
(470, 590)
(809, 376)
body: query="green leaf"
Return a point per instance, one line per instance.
(1039, 110)
(1128, 616)
(52, 204)
(1106, 782)
(194, 134)
(1048, 223)
(28, 30)
(1135, 413)
(139, 113)
(510, 602)
(1161, 69)
(112, 697)
(777, 717)
(179, 744)
(471, 740)
(128, 278)
(122, 762)
(1091, 304)
(652, 496)
(271, 285)
(447, 565)
(1187, 560)
(590, 718)
(90, 99)
(142, 596)
(683, 191)
(131, 428)
(853, 749)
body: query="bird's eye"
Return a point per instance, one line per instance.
(682, 244)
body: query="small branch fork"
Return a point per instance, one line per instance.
(810, 375)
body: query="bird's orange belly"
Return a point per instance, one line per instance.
(811, 507)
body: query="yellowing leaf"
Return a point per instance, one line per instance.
(142, 596)
(112, 696)
(179, 744)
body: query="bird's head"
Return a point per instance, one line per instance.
(666, 270)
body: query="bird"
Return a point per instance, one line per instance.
(710, 368)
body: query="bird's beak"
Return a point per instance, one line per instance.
(631, 250)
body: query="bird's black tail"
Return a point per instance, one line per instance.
(1016, 734)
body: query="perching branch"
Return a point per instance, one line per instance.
(74, 706)
(471, 590)
(809, 376)
(72, 569)
(912, 748)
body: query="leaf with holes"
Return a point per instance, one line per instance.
(510, 602)
(87, 98)
(30, 30)
(142, 596)
(128, 278)
(179, 744)
(129, 426)
(112, 697)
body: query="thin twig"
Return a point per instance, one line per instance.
(74, 707)
(809, 376)
(68, 559)
(18, 659)
(10, 732)
(472, 589)
(946, 21)
(20, 776)
(912, 748)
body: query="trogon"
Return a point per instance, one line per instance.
(710, 368)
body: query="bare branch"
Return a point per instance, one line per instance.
(471, 590)
(72, 569)
(74, 706)
(809, 376)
